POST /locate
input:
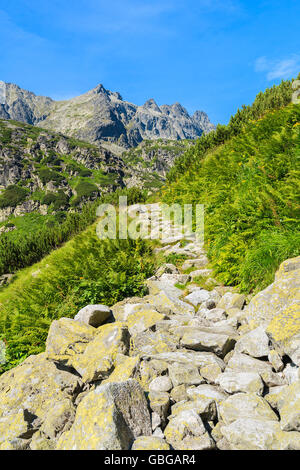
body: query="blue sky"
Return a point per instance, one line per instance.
(213, 55)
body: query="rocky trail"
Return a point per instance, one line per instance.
(183, 368)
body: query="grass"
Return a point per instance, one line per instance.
(250, 188)
(83, 271)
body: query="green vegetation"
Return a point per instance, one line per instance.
(46, 175)
(84, 189)
(12, 196)
(57, 200)
(85, 270)
(250, 188)
(273, 98)
(37, 235)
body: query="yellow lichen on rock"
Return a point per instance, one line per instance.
(98, 359)
(141, 321)
(68, 337)
(125, 368)
(150, 443)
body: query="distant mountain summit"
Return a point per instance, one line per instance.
(103, 116)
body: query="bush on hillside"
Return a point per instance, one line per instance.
(250, 188)
(12, 196)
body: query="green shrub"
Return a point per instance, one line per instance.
(85, 270)
(250, 188)
(59, 199)
(12, 196)
(46, 175)
(84, 189)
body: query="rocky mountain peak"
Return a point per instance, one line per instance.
(101, 116)
(151, 104)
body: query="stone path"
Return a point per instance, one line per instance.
(182, 368)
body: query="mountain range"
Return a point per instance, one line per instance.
(102, 116)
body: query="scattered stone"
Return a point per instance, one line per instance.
(245, 405)
(255, 343)
(98, 359)
(230, 300)
(179, 393)
(94, 315)
(160, 404)
(109, 418)
(206, 391)
(161, 384)
(200, 340)
(245, 363)
(204, 407)
(68, 337)
(275, 359)
(289, 407)
(184, 374)
(198, 296)
(233, 382)
(185, 424)
(150, 443)
(197, 263)
(211, 372)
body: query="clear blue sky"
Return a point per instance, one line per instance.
(213, 55)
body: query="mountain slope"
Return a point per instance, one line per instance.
(250, 188)
(40, 169)
(102, 115)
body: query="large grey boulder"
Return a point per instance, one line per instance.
(255, 343)
(245, 405)
(94, 315)
(109, 418)
(203, 340)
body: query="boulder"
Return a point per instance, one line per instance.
(245, 405)
(184, 374)
(211, 372)
(98, 359)
(251, 433)
(231, 300)
(288, 403)
(152, 342)
(178, 393)
(204, 407)
(276, 360)
(125, 368)
(244, 363)
(200, 340)
(111, 417)
(206, 392)
(94, 315)
(197, 359)
(198, 296)
(214, 315)
(67, 337)
(184, 424)
(196, 263)
(150, 443)
(170, 304)
(29, 394)
(277, 309)
(140, 321)
(255, 343)
(161, 384)
(160, 404)
(233, 381)
(126, 307)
